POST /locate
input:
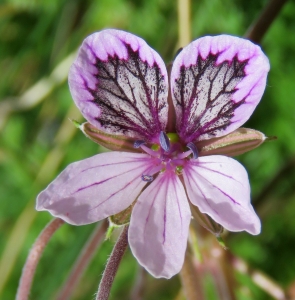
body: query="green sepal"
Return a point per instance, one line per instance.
(123, 217)
(109, 231)
(109, 141)
(238, 142)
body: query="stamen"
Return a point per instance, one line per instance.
(184, 154)
(137, 144)
(149, 151)
(147, 178)
(194, 149)
(164, 141)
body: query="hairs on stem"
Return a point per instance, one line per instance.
(112, 266)
(83, 260)
(32, 261)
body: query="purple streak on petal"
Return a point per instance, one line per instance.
(159, 226)
(222, 191)
(105, 180)
(200, 165)
(216, 84)
(119, 178)
(120, 85)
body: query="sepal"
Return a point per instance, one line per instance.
(123, 217)
(238, 142)
(206, 221)
(109, 141)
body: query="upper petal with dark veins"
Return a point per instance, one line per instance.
(120, 85)
(216, 84)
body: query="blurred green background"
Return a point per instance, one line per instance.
(37, 42)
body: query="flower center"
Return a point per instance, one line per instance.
(168, 155)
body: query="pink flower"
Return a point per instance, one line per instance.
(121, 87)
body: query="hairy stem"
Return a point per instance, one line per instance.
(259, 27)
(34, 257)
(83, 261)
(112, 266)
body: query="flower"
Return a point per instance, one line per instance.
(121, 87)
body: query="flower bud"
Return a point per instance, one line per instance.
(238, 142)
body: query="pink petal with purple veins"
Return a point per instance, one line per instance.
(159, 226)
(97, 187)
(216, 84)
(120, 85)
(219, 186)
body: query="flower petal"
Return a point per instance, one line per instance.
(120, 84)
(159, 226)
(219, 186)
(216, 84)
(95, 188)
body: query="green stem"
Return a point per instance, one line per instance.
(83, 261)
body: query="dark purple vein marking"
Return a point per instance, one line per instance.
(178, 205)
(118, 191)
(220, 173)
(130, 95)
(192, 178)
(220, 190)
(202, 88)
(107, 179)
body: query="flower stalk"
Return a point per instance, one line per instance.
(34, 257)
(112, 266)
(83, 260)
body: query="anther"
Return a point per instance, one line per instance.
(164, 141)
(147, 178)
(137, 144)
(194, 149)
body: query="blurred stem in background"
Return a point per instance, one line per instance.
(83, 261)
(33, 258)
(257, 30)
(50, 166)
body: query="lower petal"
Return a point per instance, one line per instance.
(95, 188)
(159, 226)
(219, 186)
